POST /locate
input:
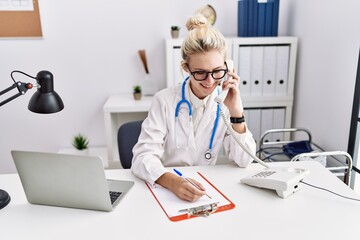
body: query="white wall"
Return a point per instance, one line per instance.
(91, 48)
(329, 42)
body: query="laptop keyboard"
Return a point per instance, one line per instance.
(114, 196)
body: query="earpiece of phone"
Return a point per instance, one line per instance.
(223, 94)
(230, 65)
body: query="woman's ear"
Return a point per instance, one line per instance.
(184, 66)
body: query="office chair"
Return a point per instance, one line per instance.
(127, 137)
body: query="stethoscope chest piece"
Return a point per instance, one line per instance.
(208, 155)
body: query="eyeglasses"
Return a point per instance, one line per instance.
(202, 75)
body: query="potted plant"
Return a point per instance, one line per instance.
(81, 142)
(175, 30)
(137, 92)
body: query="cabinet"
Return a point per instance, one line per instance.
(266, 66)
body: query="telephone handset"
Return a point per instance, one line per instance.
(283, 180)
(221, 97)
(230, 65)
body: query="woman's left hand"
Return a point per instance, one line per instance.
(233, 100)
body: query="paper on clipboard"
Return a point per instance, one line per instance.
(172, 205)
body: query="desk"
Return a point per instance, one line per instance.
(259, 214)
(119, 109)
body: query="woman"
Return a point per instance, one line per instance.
(184, 127)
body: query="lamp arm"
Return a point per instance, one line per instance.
(8, 89)
(22, 88)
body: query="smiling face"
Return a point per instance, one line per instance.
(209, 61)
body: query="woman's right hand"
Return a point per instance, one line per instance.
(180, 187)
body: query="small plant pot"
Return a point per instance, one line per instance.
(83, 152)
(175, 33)
(137, 96)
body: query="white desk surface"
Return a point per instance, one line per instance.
(259, 214)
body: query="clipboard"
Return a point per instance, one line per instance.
(178, 210)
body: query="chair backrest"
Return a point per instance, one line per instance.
(127, 137)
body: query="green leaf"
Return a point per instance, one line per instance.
(80, 142)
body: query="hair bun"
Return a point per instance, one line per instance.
(196, 21)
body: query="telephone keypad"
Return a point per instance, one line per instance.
(263, 174)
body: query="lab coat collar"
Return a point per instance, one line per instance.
(209, 115)
(195, 101)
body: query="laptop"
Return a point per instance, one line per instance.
(65, 180)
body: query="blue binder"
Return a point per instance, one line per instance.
(275, 19)
(261, 19)
(255, 17)
(243, 18)
(258, 18)
(251, 25)
(268, 18)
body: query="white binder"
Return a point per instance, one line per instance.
(257, 53)
(269, 71)
(247, 119)
(254, 123)
(267, 122)
(244, 70)
(246, 115)
(278, 123)
(282, 67)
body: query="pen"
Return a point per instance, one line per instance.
(189, 181)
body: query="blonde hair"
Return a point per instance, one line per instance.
(202, 37)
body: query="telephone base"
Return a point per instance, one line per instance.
(290, 191)
(285, 181)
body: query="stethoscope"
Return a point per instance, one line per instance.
(208, 153)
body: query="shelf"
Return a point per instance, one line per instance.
(126, 103)
(266, 66)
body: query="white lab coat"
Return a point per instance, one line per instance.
(157, 147)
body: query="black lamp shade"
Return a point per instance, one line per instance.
(45, 99)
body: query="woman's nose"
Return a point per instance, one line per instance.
(209, 79)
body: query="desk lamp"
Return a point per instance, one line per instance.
(45, 100)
